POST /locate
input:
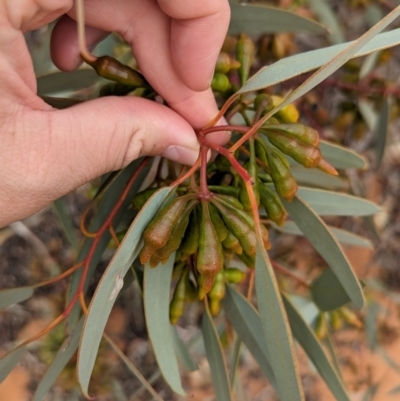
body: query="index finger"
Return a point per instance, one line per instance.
(198, 29)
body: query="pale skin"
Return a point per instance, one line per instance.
(46, 153)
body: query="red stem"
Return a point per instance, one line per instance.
(203, 171)
(105, 226)
(287, 272)
(237, 128)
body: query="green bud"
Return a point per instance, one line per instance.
(285, 183)
(142, 197)
(190, 242)
(273, 205)
(234, 276)
(301, 132)
(220, 83)
(245, 55)
(177, 234)
(263, 102)
(306, 155)
(231, 242)
(225, 63)
(177, 304)
(219, 225)
(158, 232)
(210, 258)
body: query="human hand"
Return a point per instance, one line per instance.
(45, 153)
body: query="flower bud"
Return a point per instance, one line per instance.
(219, 225)
(225, 63)
(142, 197)
(110, 68)
(306, 155)
(234, 276)
(288, 114)
(273, 205)
(177, 234)
(190, 242)
(158, 232)
(210, 258)
(177, 304)
(285, 183)
(245, 56)
(231, 242)
(301, 132)
(220, 83)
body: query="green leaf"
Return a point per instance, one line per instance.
(10, 360)
(109, 287)
(317, 178)
(258, 19)
(343, 236)
(59, 207)
(219, 373)
(326, 245)
(66, 81)
(341, 157)
(328, 203)
(371, 316)
(276, 330)
(133, 369)
(64, 355)
(381, 131)
(182, 352)
(309, 342)
(156, 307)
(112, 193)
(299, 64)
(246, 322)
(15, 295)
(325, 14)
(327, 292)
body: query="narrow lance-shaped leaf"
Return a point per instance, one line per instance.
(9, 361)
(329, 203)
(156, 307)
(276, 329)
(219, 373)
(293, 66)
(109, 287)
(182, 351)
(323, 241)
(309, 342)
(64, 355)
(59, 206)
(112, 190)
(246, 322)
(14, 295)
(317, 178)
(381, 131)
(343, 236)
(341, 157)
(335, 62)
(256, 19)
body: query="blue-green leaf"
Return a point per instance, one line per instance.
(182, 352)
(156, 294)
(307, 339)
(299, 64)
(64, 355)
(15, 295)
(341, 157)
(343, 236)
(109, 287)
(323, 241)
(257, 19)
(317, 178)
(219, 373)
(381, 131)
(278, 337)
(246, 322)
(10, 360)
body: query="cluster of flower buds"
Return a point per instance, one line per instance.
(335, 319)
(204, 234)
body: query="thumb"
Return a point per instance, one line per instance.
(49, 153)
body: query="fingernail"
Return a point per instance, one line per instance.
(180, 154)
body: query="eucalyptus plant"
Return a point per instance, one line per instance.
(197, 234)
